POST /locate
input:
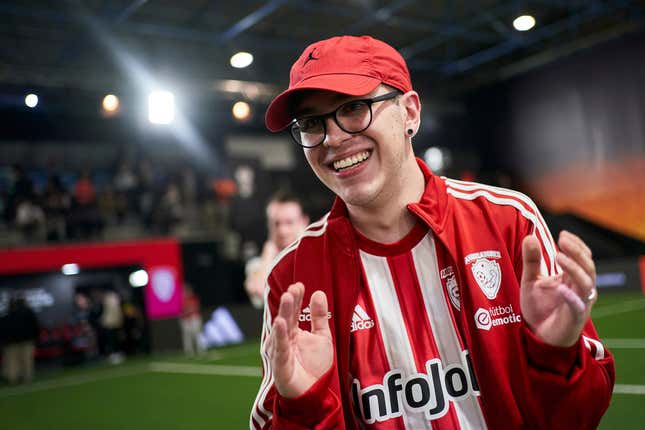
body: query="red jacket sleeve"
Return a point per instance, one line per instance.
(563, 387)
(561, 381)
(318, 409)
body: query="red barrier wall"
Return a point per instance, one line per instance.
(161, 258)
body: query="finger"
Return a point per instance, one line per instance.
(580, 279)
(579, 242)
(282, 354)
(286, 310)
(531, 259)
(572, 299)
(319, 320)
(578, 251)
(297, 291)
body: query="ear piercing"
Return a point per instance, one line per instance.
(410, 131)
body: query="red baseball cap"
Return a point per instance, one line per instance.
(346, 64)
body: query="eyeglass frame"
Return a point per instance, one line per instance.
(333, 114)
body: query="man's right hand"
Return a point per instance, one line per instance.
(298, 357)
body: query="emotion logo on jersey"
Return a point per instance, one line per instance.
(486, 271)
(452, 288)
(496, 316)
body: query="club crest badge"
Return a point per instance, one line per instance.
(486, 271)
(163, 284)
(452, 288)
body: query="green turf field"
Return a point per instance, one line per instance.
(216, 391)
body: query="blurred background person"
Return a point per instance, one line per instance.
(285, 221)
(111, 324)
(19, 330)
(191, 322)
(56, 203)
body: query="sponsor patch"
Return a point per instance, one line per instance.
(485, 319)
(429, 393)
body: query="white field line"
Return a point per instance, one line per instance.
(624, 343)
(205, 369)
(618, 308)
(629, 389)
(69, 381)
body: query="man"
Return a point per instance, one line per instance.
(191, 322)
(285, 221)
(20, 330)
(428, 302)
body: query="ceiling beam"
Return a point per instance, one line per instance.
(429, 43)
(534, 36)
(128, 11)
(379, 15)
(251, 19)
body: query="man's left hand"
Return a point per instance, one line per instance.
(556, 308)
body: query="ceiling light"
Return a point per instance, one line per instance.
(524, 23)
(31, 100)
(161, 107)
(241, 60)
(241, 111)
(110, 103)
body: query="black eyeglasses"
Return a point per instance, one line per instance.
(352, 117)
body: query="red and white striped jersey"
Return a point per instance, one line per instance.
(409, 367)
(428, 332)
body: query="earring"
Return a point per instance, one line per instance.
(410, 131)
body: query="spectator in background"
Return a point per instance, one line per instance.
(22, 188)
(126, 184)
(85, 218)
(111, 324)
(19, 330)
(285, 221)
(191, 322)
(30, 219)
(147, 184)
(170, 210)
(56, 203)
(188, 184)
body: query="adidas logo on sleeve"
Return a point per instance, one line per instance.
(360, 320)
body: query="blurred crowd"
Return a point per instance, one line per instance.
(82, 205)
(104, 325)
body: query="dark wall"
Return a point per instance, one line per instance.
(589, 107)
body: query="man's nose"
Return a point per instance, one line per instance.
(335, 135)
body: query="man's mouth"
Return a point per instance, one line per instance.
(354, 160)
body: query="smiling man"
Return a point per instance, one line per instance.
(418, 302)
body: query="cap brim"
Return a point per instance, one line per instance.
(279, 112)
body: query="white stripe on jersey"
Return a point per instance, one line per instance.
(473, 191)
(393, 331)
(267, 380)
(468, 410)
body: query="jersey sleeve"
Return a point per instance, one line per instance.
(317, 409)
(560, 381)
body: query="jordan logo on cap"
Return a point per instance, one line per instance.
(310, 57)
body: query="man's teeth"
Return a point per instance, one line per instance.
(351, 161)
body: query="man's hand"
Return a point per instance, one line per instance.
(556, 308)
(299, 358)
